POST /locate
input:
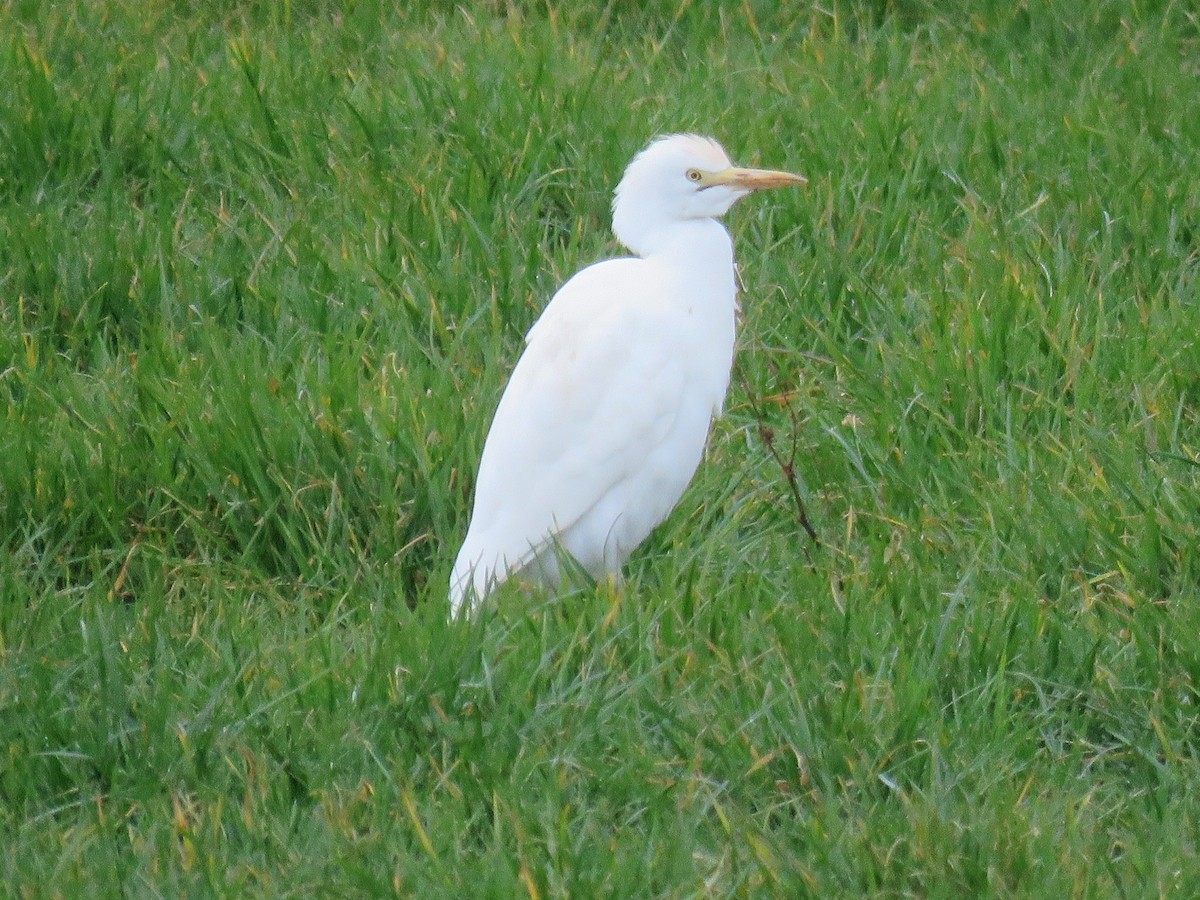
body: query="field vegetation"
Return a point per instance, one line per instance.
(264, 268)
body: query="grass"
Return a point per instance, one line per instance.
(264, 269)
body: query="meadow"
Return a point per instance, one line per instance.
(264, 268)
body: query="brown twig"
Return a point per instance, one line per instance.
(787, 466)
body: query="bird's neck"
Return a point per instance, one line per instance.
(696, 257)
(700, 243)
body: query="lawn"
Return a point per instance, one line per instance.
(264, 269)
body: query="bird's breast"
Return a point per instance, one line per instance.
(707, 332)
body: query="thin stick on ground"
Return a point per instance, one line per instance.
(786, 466)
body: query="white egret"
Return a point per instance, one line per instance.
(605, 418)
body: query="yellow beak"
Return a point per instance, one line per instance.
(752, 179)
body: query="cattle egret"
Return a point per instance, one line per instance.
(605, 418)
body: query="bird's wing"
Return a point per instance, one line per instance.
(597, 386)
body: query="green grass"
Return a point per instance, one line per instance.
(263, 271)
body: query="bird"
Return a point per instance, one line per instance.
(607, 412)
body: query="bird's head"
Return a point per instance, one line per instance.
(680, 177)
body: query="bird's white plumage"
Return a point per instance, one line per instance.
(604, 420)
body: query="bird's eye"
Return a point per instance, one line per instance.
(694, 175)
